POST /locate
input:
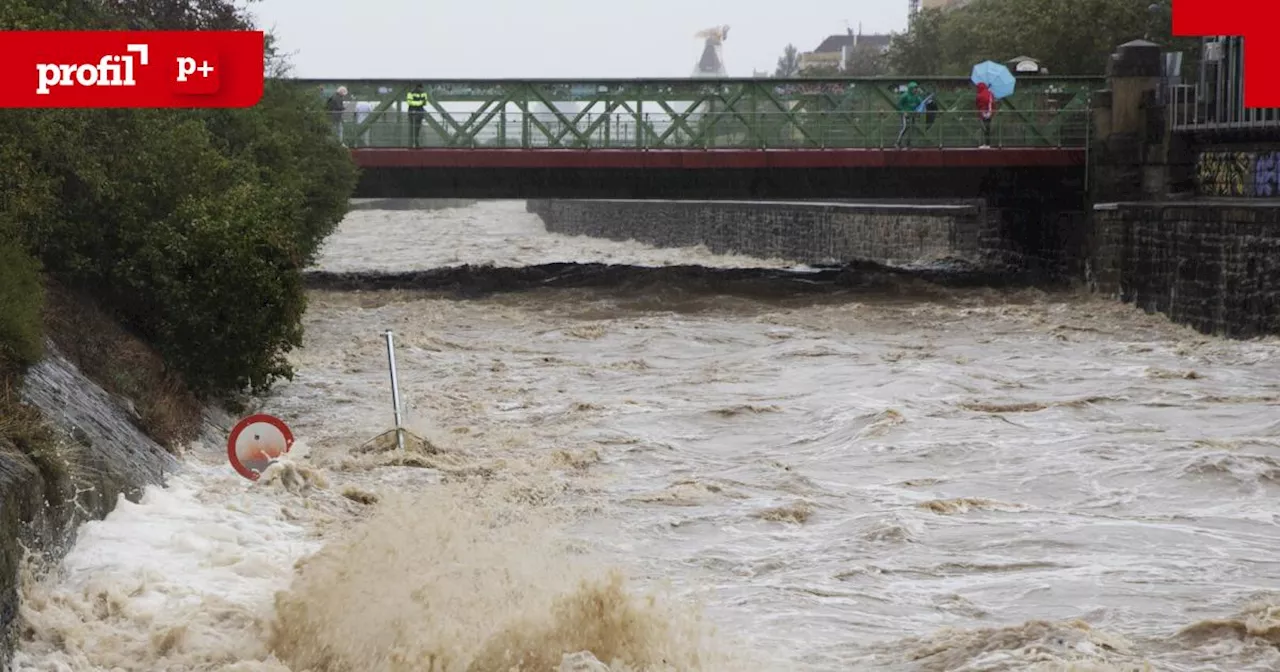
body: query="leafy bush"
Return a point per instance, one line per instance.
(23, 196)
(1070, 37)
(21, 301)
(191, 226)
(228, 298)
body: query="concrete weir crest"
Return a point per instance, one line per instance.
(898, 234)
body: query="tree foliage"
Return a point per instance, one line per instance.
(1069, 37)
(21, 299)
(788, 62)
(866, 61)
(192, 226)
(920, 50)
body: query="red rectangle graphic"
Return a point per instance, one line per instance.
(1253, 20)
(196, 68)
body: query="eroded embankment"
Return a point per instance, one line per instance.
(478, 280)
(94, 454)
(88, 423)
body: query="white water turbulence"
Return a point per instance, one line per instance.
(500, 233)
(938, 480)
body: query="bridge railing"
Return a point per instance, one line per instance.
(1192, 107)
(1215, 102)
(813, 130)
(691, 113)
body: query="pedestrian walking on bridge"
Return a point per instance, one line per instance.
(910, 104)
(417, 102)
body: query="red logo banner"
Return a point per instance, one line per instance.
(1255, 21)
(196, 68)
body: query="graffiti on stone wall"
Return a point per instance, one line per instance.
(1239, 174)
(1225, 173)
(1266, 175)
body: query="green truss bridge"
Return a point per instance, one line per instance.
(705, 138)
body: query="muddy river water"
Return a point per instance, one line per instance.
(932, 480)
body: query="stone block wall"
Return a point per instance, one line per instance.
(806, 232)
(1213, 266)
(409, 203)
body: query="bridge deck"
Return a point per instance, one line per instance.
(713, 159)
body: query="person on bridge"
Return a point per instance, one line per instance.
(910, 103)
(986, 111)
(417, 102)
(336, 106)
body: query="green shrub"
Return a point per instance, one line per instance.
(195, 228)
(190, 226)
(294, 150)
(21, 304)
(226, 295)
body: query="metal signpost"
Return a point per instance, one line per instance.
(395, 388)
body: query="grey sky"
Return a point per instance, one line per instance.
(552, 38)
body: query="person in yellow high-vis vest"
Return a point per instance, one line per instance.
(417, 101)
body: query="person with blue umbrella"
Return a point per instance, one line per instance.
(986, 112)
(994, 82)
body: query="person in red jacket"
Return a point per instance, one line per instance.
(986, 111)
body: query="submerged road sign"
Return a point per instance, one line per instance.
(255, 441)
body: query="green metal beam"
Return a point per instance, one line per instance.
(709, 113)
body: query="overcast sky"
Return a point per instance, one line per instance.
(552, 38)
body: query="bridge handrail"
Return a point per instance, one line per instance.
(1023, 79)
(742, 112)
(761, 130)
(1189, 111)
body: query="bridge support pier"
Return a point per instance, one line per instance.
(1124, 137)
(1158, 237)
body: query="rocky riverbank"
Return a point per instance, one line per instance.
(97, 418)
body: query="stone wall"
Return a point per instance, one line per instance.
(409, 203)
(101, 455)
(1212, 265)
(807, 232)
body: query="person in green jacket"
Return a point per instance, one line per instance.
(909, 104)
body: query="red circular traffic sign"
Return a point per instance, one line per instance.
(255, 441)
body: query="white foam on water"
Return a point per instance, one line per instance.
(934, 484)
(186, 576)
(501, 233)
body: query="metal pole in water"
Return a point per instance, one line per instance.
(395, 389)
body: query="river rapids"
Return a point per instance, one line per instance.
(925, 480)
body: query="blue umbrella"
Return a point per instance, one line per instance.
(996, 76)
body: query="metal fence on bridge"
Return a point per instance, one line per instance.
(711, 114)
(1215, 103)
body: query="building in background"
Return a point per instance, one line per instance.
(1025, 65)
(836, 52)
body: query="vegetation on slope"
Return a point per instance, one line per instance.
(1070, 37)
(187, 228)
